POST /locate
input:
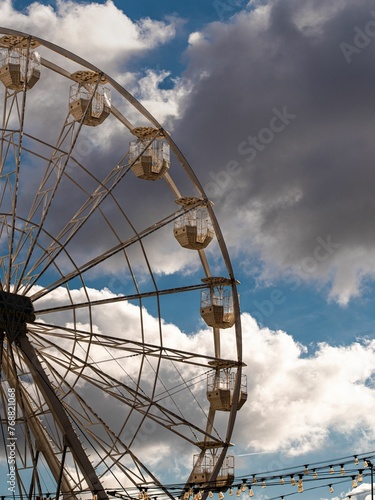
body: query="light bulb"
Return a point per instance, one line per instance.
(221, 495)
(354, 482)
(306, 471)
(243, 485)
(342, 470)
(331, 490)
(230, 492)
(300, 484)
(251, 493)
(365, 463)
(282, 480)
(356, 461)
(263, 483)
(315, 474)
(292, 481)
(331, 470)
(254, 479)
(238, 493)
(360, 478)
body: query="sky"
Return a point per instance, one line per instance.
(271, 102)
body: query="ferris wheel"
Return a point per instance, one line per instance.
(113, 269)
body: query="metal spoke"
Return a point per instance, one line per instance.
(104, 256)
(113, 300)
(130, 396)
(131, 346)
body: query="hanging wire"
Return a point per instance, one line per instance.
(325, 480)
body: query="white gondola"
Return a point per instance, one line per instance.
(89, 101)
(220, 390)
(217, 303)
(149, 154)
(19, 65)
(193, 229)
(204, 466)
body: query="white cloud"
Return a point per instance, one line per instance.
(359, 493)
(101, 33)
(195, 37)
(298, 398)
(162, 103)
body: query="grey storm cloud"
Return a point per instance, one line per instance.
(280, 128)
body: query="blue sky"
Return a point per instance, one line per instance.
(295, 202)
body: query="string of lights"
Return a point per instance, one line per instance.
(352, 470)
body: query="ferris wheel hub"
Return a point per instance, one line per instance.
(15, 311)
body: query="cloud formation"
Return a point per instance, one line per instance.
(282, 183)
(301, 399)
(110, 37)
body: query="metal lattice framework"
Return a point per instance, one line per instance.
(96, 383)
